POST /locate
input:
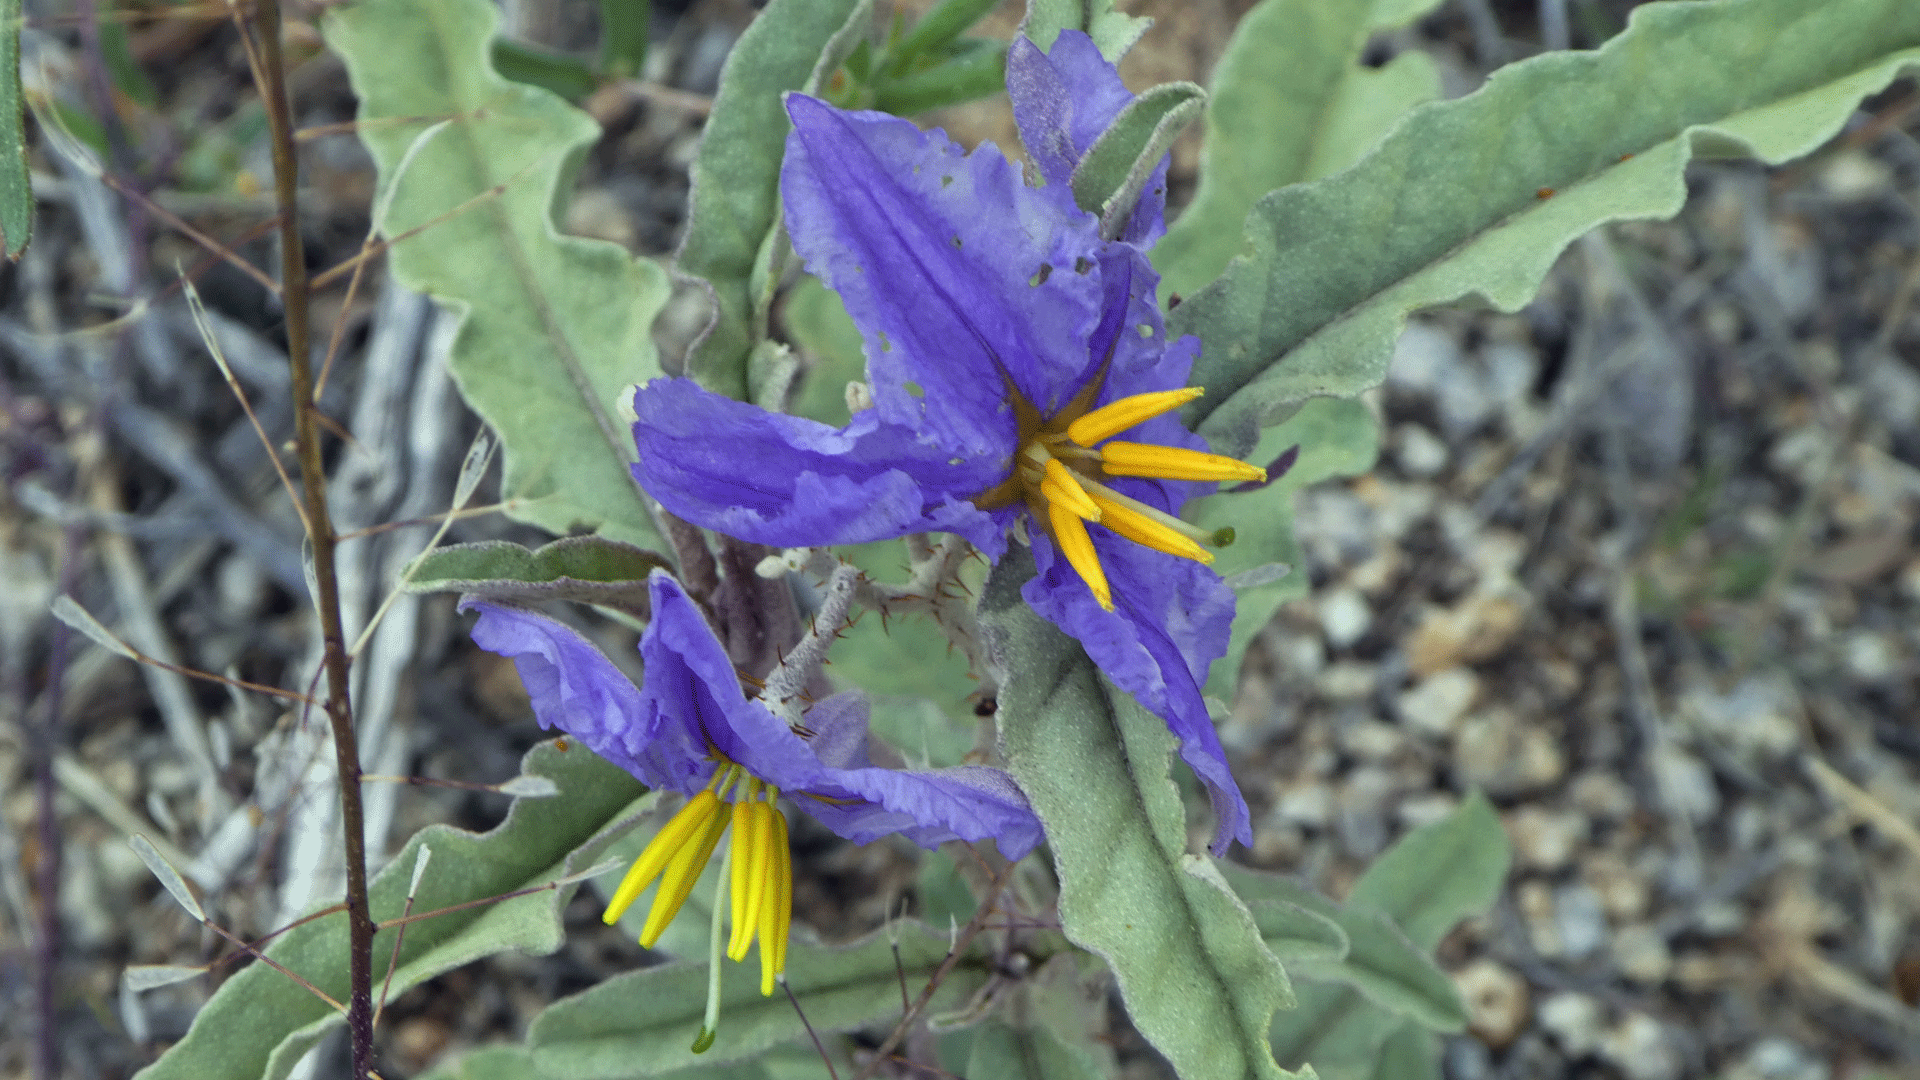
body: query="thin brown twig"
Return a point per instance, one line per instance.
(270, 68)
(960, 943)
(434, 519)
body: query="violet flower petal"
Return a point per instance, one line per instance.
(961, 278)
(1170, 623)
(786, 480)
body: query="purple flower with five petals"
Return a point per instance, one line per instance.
(1021, 379)
(690, 728)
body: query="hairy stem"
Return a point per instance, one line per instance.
(294, 294)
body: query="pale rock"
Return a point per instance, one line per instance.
(1347, 680)
(1639, 1049)
(1574, 1021)
(1893, 393)
(1546, 839)
(1371, 740)
(1334, 526)
(1418, 451)
(1720, 918)
(1396, 507)
(1871, 657)
(1624, 892)
(1498, 1004)
(1642, 955)
(1297, 654)
(1500, 753)
(1755, 717)
(1425, 808)
(1581, 920)
(1602, 795)
(1277, 845)
(1686, 785)
(1363, 799)
(1534, 900)
(1423, 358)
(1853, 175)
(1777, 1058)
(1437, 703)
(1344, 617)
(1307, 803)
(1378, 574)
(1496, 554)
(1477, 628)
(1910, 579)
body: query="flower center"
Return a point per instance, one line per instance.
(760, 864)
(1064, 458)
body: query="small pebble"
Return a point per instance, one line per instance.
(1418, 451)
(1776, 1058)
(1348, 680)
(1438, 702)
(1642, 955)
(1344, 617)
(1639, 1049)
(1581, 920)
(1498, 1004)
(1500, 753)
(1574, 1020)
(1685, 783)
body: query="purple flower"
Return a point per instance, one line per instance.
(1007, 345)
(691, 729)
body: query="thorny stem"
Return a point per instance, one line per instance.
(960, 943)
(294, 295)
(787, 682)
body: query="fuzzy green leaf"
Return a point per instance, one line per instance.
(643, 1023)
(1291, 103)
(1477, 197)
(1113, 32)
(488, 1063)
(1110, 179)
(1438, 874)
(555, 328)
(1195, 976)
(1379, 960)
(1335, 437)
(16, 186)
(1294, 932)
(587, 569)
(259, 1023)
(733, 224)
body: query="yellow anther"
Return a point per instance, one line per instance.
(1142, 529)
(1173, 463)
(681, 873)
(1071, 534)
(754, 831)
(1109, 420)
(1062, 487)
(665, 844)
(776, 910)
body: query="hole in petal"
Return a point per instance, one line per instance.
(946, 181)
(1146, 330)
(1082, 264)
(956, 243)
(886, 343)
(1041, 275)
(914, 389)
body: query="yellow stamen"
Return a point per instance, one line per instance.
(665, 844)
(1142, 529)
(1211, 537)
(681, 873)
(750, 879)
(1109, 420)
(776, 912)
(1071, 534)
(1062, 487)
(1173, 463)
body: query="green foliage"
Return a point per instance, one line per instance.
(583, 568)
(556, 328)
(1335, 437)
(487, 1063)
(1477, 197)
(623, 36)
(733, 230)
(16, 186)
(1109, 180)
(1112, 31)
(1291, 103)
(259, 1023)
(1197, 980)
(955, 72)
(643, 1023)
(553, 72)
(1368, 1012)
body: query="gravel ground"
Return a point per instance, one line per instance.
(1639, 561)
